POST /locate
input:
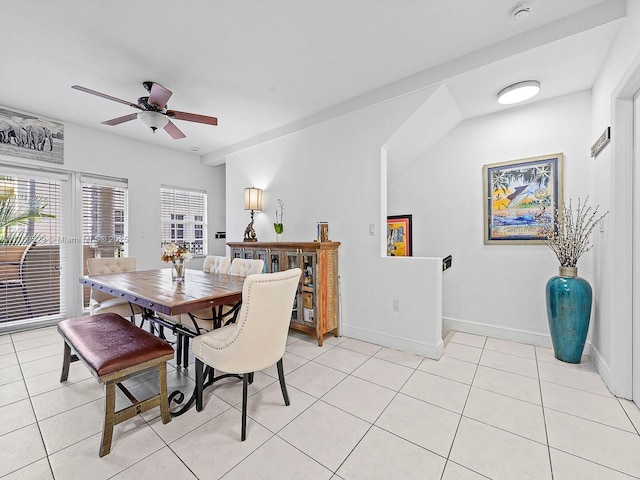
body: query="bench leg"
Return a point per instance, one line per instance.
(164, 400)
(109, 417)
(66, 361)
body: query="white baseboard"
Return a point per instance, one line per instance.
(391, 341)
(503, 333)
(601, 365)
(21, 326)
(531, 338)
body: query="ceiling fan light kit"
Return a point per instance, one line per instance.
(153, 110)
(518, 92)
(153, 120)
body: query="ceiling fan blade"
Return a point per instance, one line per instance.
(159, 95)
(192, 117)
(119, 120)
(104, 95)
(174, 131)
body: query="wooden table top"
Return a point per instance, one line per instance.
(157, 291)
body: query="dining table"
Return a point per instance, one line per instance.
(158, 292)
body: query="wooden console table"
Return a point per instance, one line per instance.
(316, 308)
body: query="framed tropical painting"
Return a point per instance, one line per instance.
(399, 236)
(520, 198)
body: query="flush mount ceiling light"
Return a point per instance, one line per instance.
(518, 92)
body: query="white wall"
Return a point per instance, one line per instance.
(332, 172)
(146, 167)
(612, 188)
(493, 290)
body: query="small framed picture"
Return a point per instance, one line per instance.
(323, 232)
(399, 236)
(520, 198)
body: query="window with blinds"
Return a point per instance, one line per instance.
(184, 218)
(104, 220)
(30, 247)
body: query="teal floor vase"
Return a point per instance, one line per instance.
(569, 311)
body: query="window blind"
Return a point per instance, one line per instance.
(184, 218)
(104, 221)
(31, 244)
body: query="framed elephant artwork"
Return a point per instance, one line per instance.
(29, 136)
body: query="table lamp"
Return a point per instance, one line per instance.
(253, 202)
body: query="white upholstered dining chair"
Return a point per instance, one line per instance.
(204, 318)
(258, 338)
(246, 266)
(216, 264)
(101, 302)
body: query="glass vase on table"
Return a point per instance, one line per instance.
(177, 273)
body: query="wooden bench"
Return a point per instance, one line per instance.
(114, 349)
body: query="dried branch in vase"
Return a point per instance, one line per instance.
(570, 238)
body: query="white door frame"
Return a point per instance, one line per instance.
(620, 248)
(635, 366)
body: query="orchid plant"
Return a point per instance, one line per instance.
(278, 225)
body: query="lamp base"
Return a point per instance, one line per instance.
(249, 232)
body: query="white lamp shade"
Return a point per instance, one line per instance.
(253, 199)
(153, 120)
(518, 92)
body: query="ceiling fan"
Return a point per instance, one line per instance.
(153, 110)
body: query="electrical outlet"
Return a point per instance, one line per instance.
(396, 305)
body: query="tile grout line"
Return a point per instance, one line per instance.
(372, 424)
(335, 472)
(547, 434)
(316, 400)
(544, 417)
(627, 415)
(453, 441)
(35, 417)
(395, 396)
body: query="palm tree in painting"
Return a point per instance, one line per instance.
(517, 185)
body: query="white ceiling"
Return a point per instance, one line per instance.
(265, 67)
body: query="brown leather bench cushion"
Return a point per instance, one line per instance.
(108, 343)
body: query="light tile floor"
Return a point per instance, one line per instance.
(488, 409)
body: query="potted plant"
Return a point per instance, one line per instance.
(568, 296)
(278, 225)
(18, 210)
